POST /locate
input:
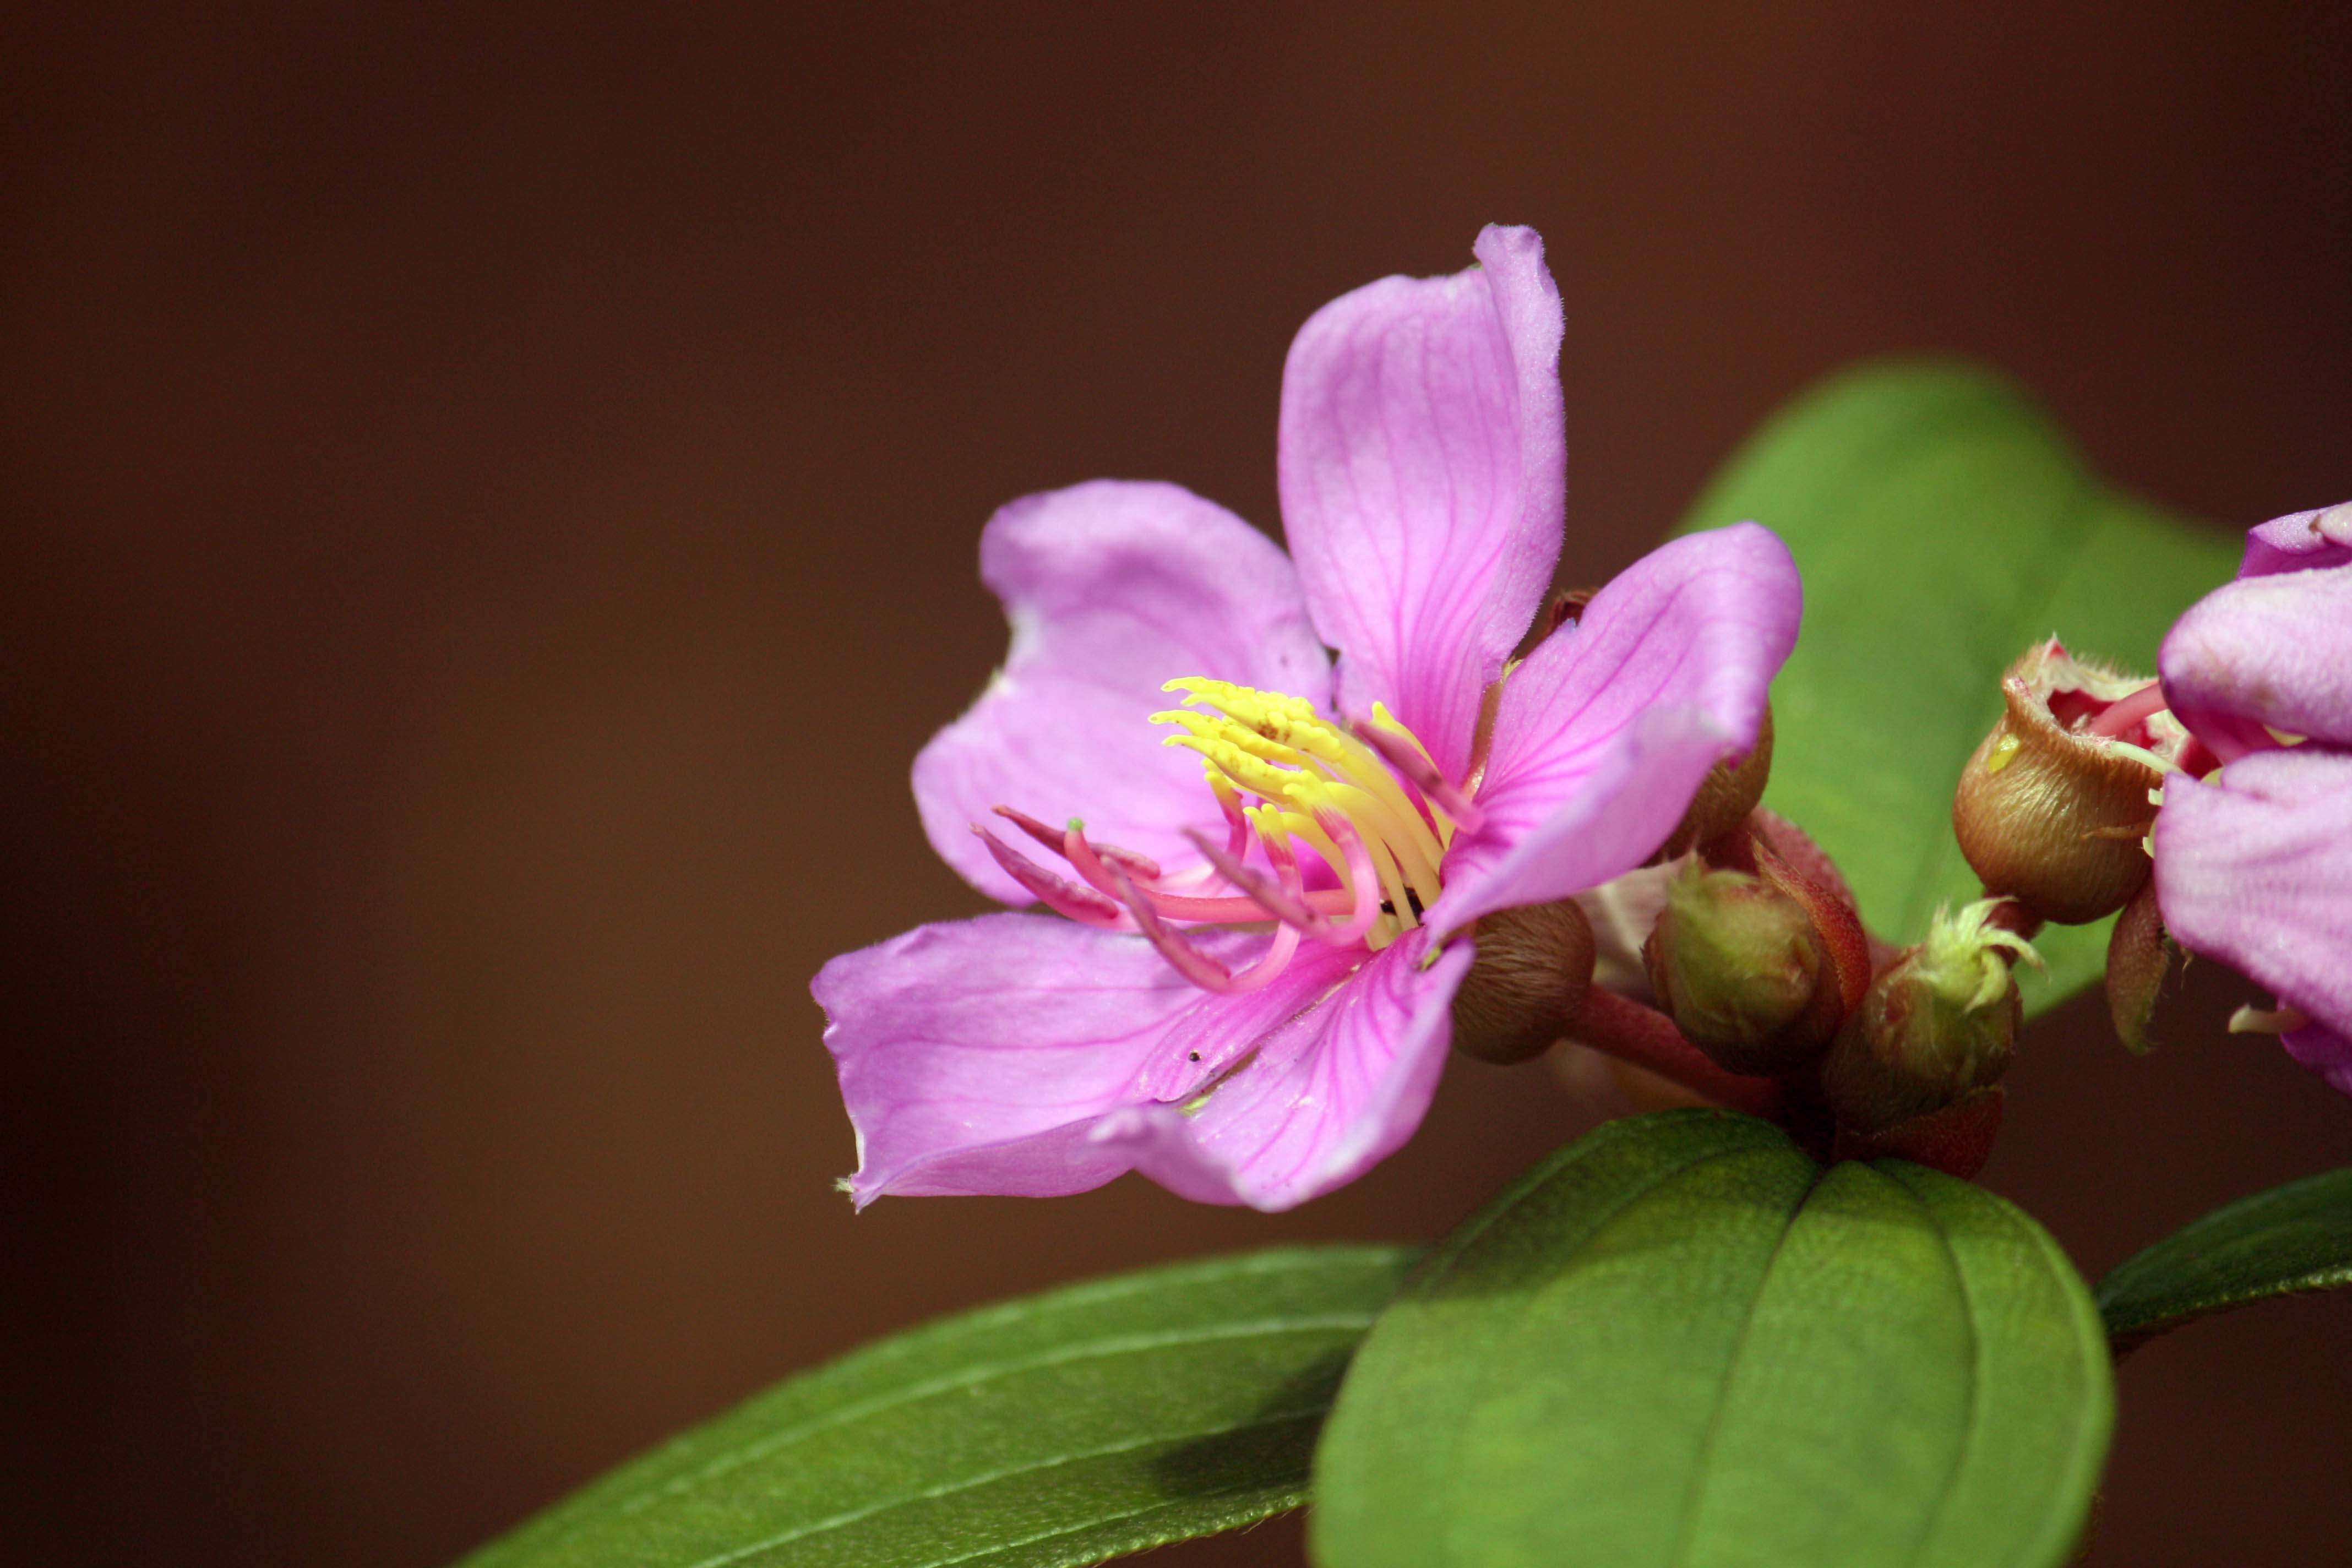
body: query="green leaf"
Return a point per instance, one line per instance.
(2290, 1238)
(1057, 1429)
(1942, 524)
(1680, 1341)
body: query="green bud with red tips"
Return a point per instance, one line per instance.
(1935, 1026)
(1741, 969)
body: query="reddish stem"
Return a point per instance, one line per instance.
(1647, 1038)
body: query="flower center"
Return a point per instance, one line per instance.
(1371, 810)
(1319, 785)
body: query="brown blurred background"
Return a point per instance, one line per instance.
(491, 497)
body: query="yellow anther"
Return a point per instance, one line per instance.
(1267, 821)
(1277, 716)
(1303, 828)
(1388, 721)
(1228, 798)
(1211, 727)
(1417, 853)
(1252, 774)
(1301, 765)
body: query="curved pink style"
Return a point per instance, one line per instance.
(1261, 1032)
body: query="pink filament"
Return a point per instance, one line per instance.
(1126, 891)
(1088, 860)
(1237, 838)
(1197, 966)
(1361, 877)
(1406, 759)
(1142, 867)
(1058, 893)
(1288, 900)
(1275, 900)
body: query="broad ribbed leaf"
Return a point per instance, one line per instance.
(1055, 1430)
(1681, 1344)
(1942, 524)
(2290, 1238)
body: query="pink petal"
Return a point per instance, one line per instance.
(2254, 867)
(2273, 650)
(1606, 730)
(2324, 1052)
(1112, 589)
(1423, 461)
(985, 1056)
(2299, 542)
(1329, 1095)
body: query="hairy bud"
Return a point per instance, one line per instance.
(1531, 971)
(1728, 793)
(1744, 972)
(2139, 956)
(2053, 808)
(1936, 1026)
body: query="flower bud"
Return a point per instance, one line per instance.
(2139, 957)
(2054, 807)
(1741, 969)
(1729, 792)
(1532, 967)
(1935, 1026)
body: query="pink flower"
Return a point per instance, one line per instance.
(1248, 1001)
(2253, 863)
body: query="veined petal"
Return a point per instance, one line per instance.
(1422, 462)
(1112, 588)
(1605, 731)
(984, 1056)
(2299, 542)
(2271, 652)
(1329, 1094)
(2254, 867)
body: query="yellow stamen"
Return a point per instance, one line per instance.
(1277, 727)
(1299, 765)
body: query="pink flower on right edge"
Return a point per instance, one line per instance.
(2253, 862)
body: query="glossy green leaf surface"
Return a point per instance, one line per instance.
(1942, 524)
(1054, 1430)
(2290, 1238)
(1681, 1344)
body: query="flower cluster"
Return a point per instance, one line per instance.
(1274, 887)
(2212, 802)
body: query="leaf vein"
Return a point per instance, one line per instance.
(1689, 1528)
(1126, 1344)
(931, 1494)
